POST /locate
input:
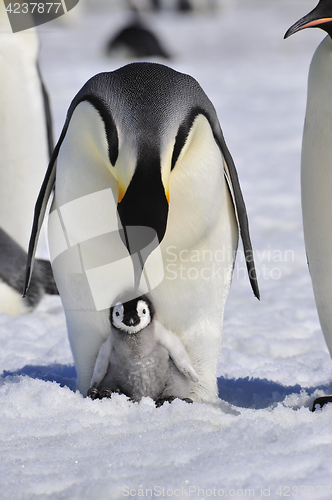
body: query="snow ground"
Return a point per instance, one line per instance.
(261, 439)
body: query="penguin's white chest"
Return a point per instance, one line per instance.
(316, 182)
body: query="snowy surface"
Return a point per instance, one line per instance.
(261, 439)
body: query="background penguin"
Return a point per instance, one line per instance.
(25, 130)
(141, 358)
(136, 40)
(174, 5)
(142, 176)
(25, 145)
(316, 168)
(180, 5)
(12, 266)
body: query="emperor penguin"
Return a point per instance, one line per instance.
(316, 167)
(25, 129)
(141, 358)
(147, 198)
(25, 146)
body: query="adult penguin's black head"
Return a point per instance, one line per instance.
(319, 17)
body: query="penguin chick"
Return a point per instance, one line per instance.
(141, 358)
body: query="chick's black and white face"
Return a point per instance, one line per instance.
(131, 317)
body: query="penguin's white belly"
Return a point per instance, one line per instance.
(316, 183)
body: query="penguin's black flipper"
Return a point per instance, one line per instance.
(39, 214)
(48, 115)
(241, 214)
(322, 401)
(41, 204)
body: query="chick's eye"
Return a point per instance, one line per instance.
(117, 313)
(144, 311)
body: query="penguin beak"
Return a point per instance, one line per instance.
(143, 210)
(317, 18)
(131, 319)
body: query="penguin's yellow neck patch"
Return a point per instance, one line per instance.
(121, 192)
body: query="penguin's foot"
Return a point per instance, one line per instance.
(187, 400)
(170, 399)
(161, 401)
(105, 393)
(323, 400)
(93, 393)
